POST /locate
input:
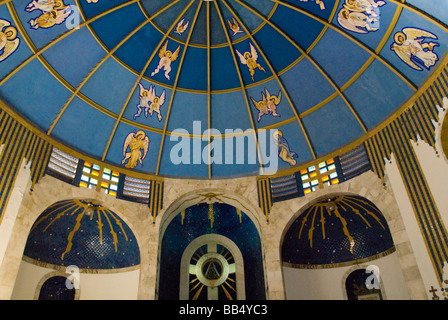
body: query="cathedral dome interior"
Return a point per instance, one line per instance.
(325, 74)
(223, 149)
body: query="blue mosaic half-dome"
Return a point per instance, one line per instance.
(337, 231)
(84, 234)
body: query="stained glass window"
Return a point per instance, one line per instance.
(315, 177)
(100, 179)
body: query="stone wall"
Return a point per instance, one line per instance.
(240, 192)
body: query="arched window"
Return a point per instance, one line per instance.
(363, 284)
(212, 274)
(196, 245)
(56, 288)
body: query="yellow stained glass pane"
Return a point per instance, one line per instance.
(83, 184)
(330, 161)
(306, 191)
(335, 181)
(325, 178)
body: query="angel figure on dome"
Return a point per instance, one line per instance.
(8, 39)
(268, 105)
(150, 102)
(250, 59)
(135, 149)
(166, 57)
(49, 19)
(361, 16)
(234, 26)
(181, 26)
(53, 12)
(410, 47)
(45, 5)
(283, 148)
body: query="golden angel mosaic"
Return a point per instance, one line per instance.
(360, 16)
(284, 152)
(166, 57)
(234, 26)
(181, 26)
(249, 58)
(53, 12)
(149, 102)
(268, 105)
(410, 46)
(8, 39)
(135, 149)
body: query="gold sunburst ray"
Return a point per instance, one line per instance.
(47, 215)
(61, 214)
(311, 230)
(72, 233)
(344, 228)
(118, 222)
(304, 220)
(112, 231)
(322, 221)
(373, 215)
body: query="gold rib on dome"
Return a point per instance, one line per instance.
(353, 39)
(109, 54)
(154, 53)
(243, 90)
(176, 80)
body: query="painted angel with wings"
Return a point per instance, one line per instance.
(367, 6)
(144, 101)
(156, 103)
(181, 27)
(8, 39)
(149, 102)
(166, 57)
(234, 26)
(268, 105)
(410, 47)
(283, 148)
(49, 19)
(138, 144)
(356, 21)
(45, 5)
(250, 59)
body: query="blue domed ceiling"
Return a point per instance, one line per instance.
(136, 83)
(84, 234)
(337, 231)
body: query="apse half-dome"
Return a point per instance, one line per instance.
(337, 231)
(84, 234)
(122, 80)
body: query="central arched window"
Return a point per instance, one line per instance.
(55, 288)
(212, 269)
